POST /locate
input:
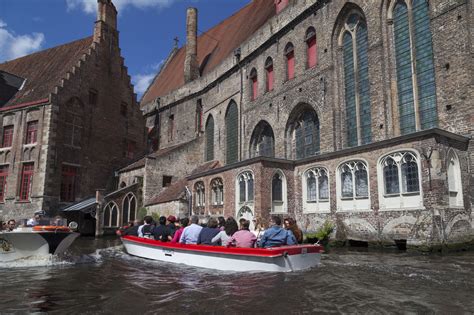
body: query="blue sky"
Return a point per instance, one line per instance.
(147, 27)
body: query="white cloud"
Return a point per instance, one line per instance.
(90, 6)
(142, 82)
(14, 46)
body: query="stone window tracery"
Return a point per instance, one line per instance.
(262, 142)
(316, 189)
(279, 199)
(111, 215)
(129, 208)
(199, 198)
(414, 65)
(246, 186)
(356, 81)
(217, 188)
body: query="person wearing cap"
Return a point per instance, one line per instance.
(35, 220)
(171, 220)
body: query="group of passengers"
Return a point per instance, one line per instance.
(217, 232)
(37, 219)
(7, 226)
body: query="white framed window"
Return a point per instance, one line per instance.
(454, 180)
(316, 190)
(279, 192)
(217, 188)
(352, 186)
(111, 215)
(245, 186)
(200, 198)
(399, 180)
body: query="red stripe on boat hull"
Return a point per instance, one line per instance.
(257, 252)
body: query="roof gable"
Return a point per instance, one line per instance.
(213, 47)
(44, 70)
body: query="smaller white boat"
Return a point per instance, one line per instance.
(274, 259)
(26, 242)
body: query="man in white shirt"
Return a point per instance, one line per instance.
(146, 230)
(36, 219)
(191, 233)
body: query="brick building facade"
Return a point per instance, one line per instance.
(59, 122)
(358, 112)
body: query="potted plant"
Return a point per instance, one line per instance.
(322, 235)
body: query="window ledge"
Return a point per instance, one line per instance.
(402, 209)
(29, 145)
(5, 148)
(23, 201)
(411, 193)
(317, 212)
(354, 210)
(276, 213)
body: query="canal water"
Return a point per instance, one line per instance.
(96, 277)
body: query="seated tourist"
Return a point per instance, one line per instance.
(146, 230)
(184, 222)
(3, 225)
(191, 233)
(221, 223)
(162, 232)
(229, 229)
(243, 237)
(132, 229)
(241, 221)
(276, 235)
(38, 215)
(171, 224)
(208, 232)
(11, 225)
(290, 224)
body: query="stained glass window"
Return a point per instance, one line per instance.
(413, 41)
(307, 135)
(210, 139)
(356, 82)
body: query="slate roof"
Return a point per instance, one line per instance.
(220, 41)
(84, 205)
(44, 70)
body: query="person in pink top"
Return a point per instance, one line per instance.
(177, 234)
(243, 237)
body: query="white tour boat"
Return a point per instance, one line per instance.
(25, 242)
(275, 259)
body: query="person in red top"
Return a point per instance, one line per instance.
(243, 237)
(177, 234)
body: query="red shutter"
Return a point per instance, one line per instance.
(68, 183)
(270, 78)
(7, 136)
(31, 132)
(312, 53)
(254, 87)
(3, 181)
(290, 58)
(26, 179)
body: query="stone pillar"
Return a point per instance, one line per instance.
(191, 67)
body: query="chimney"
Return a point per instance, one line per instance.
(106, 19)
(191, 67)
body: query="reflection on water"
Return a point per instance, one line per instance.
(97, 277)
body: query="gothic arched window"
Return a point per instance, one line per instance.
(254, 83)
(356, 81)
(269, 74)
(454, 181)
(311, 49)
(262, 142)
(415, 65)
(111, 215)
(129, 208)
(290, 61)
(304, 132)
(217, 188)
(232, 133)
(210, 138)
